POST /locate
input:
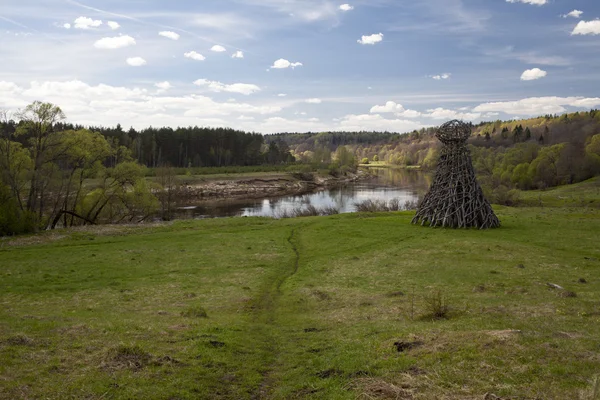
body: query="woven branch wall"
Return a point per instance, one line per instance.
(455, 199)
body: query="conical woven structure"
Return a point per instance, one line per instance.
(455, 199)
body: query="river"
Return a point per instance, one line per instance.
(387, 184)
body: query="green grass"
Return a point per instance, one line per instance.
(313, 308)
(586, 194)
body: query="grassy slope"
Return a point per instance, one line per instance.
(585, 193)
(303, 308)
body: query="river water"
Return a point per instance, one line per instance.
(387, 184)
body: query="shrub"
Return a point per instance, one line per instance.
(436, 305)
(14, 221)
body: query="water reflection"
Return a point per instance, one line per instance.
(388, 184)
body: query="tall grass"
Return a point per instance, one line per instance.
(384, 206)
(308, 211)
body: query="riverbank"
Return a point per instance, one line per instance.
(340, 307)
(195, 189)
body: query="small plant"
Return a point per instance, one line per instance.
(436, 305)
(132, 357)
(195, 312)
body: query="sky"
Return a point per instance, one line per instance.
(300, 65)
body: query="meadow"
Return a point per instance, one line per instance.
(348, 306)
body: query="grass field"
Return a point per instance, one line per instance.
(343, 307)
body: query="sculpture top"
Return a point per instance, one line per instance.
(454, 131)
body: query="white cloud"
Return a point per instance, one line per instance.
(395, 108)
(281, 95)
(136, 61)
(238, 54)
(574, 14)
(346, 7)
(163, 86)
(116, 42)
(313, 101)
(389, 107)
(533, 106)
(371, 39)
(409, 114)
(440, 77)
(534, 2)
(283, 63)
(533, 74)
(113, 25)
(194, 56)
(587, 28)
(67, 26)
(104, 105)
(442, 113)
(169, 35)
(214, 86)
(86, 23)
(218, 49)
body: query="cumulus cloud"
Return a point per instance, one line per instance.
(534, 2)
(109, 105)
(163, 86)
(218, 49)
(169, 35)
(194, 56)
(442, 113)
(573, 14)
(346, 7)
(587, 28)
(409, 114)
(67, 26)
(440, 77)
(113, 25)
(281, 95)
(214, 86)
(397, 109)
(136, 61)
(533, 74)
(313, 101)
(238, 54)
(371, 39)
(283, 63)
(116, 42)
(389, 107)
(87, 23)
(533, 106)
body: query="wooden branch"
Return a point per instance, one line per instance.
(455, 199)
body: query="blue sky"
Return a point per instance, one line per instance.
(305, 65)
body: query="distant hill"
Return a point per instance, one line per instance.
(523, 154)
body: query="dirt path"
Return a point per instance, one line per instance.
(266, 309)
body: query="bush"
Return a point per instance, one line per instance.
(436, 305)
(13, 221)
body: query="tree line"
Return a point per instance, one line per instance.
(54, 173)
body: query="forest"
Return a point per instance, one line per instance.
(54, 173)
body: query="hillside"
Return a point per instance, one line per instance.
(522, 154)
